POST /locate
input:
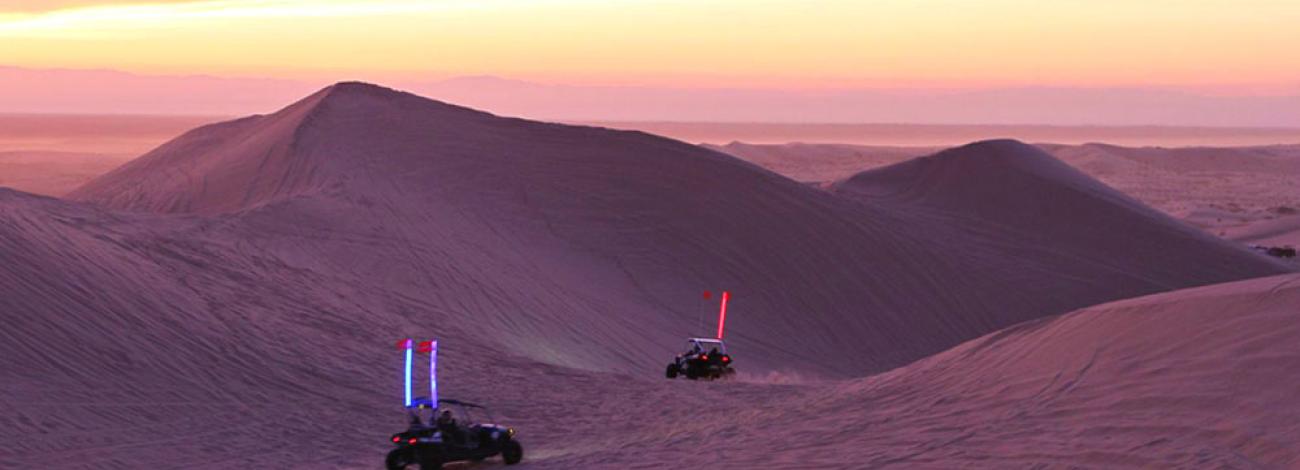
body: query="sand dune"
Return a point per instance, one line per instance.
(990, 181)
(820, 163)
(1279, 232)
(1249, 180)
(1198, 378)
(293, 374)
(1246, 194)
(1175, 180)
(207, 302)
(438, 199)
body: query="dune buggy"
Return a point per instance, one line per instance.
(705, 358)
(471, 433)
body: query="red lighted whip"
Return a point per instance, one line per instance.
(722, 315)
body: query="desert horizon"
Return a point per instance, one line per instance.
(135, 134)
(577, 235)
(112, 92)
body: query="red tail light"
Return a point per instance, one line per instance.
(726, 358)
(704, 357)
(411, 441)
(396, 439)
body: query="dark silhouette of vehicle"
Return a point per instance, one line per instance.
(1276, 251)
(1282, 252)
(452, 433)
(706, 358)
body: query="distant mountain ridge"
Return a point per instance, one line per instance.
(104, 91)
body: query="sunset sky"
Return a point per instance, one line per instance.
(1224, 46)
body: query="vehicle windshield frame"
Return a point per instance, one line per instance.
(706, 344)
(470, 414)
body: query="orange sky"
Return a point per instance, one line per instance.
(1238, 46)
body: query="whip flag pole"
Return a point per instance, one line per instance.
(722, 315)
(409, 348)
(433, 373)
(406, 345)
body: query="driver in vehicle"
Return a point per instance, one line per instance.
(449, 429)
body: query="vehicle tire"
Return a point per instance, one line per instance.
(397, 460)
(673, 370)
(429, 459)
(512, 452)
